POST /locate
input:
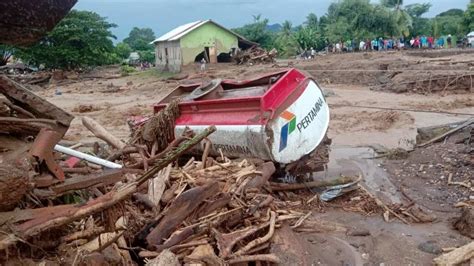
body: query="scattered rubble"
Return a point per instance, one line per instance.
(212, 210)
(255, 55)
(440, 167)
(211, 205)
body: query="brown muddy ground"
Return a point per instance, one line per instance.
(354, 129)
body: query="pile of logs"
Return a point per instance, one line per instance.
(255, 55)
(153, 205)
(159, 206)
(211, 211)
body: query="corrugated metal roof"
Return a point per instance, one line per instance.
(182, 30)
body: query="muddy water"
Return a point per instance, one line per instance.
(355, 161)
(391, 243)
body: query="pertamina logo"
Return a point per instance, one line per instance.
(287, 129)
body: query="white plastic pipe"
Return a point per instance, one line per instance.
(87, 157)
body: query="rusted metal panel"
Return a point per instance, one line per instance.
(24, 22)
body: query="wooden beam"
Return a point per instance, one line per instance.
(29, 101)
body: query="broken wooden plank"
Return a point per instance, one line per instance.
(106, 178)
(17, 126)
(29, 101)
(179, 210)
(267, 169)
(157, 185)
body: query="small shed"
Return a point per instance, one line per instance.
(194, 41)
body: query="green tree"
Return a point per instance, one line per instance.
(147, 56)
(402, 20)
(312, 21)
(359, 19)
(420, 25)
(6, 53)
(339, 30)
(452, 12)
(139, 39)
(286, 29)
(257, 32)
(450, 22)
(81, 39)
(423, 26)
(417, 10)
(308, 38)
(392, 3)
(285, 41)
(450, 25)
(123, 50)
(323, 22)
(468, 19)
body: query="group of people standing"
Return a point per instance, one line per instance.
(382, 44)
(430, 42)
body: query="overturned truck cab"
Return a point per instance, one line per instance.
(282, 117)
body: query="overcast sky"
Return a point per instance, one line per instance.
(163, 15)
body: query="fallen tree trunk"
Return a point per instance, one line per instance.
(456, 256)
(13, 186)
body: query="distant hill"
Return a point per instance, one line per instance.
(274, 27)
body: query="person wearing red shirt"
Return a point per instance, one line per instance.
(417, 42)
(430, 42)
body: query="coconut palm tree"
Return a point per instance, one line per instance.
(392, 3)
(403, 20)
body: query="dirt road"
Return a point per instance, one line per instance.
(356, 125)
